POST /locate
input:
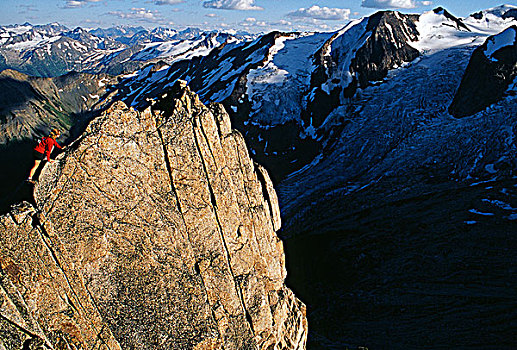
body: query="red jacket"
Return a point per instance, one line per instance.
(46, 145)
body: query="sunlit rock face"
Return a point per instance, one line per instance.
(154, 230)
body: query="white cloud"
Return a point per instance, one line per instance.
(252, 24)
(139, 14)
(232, 4)
(167, 2)
(212, 15)
(70, 4)
(427, 3)
(322, 13)
(92, 22)
(382, 4)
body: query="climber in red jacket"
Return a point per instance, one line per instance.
(44, 147)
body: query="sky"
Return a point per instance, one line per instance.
(254, 16)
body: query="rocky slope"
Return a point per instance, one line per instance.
(154, 231)
(29, 106)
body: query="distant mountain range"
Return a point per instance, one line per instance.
(52, 49)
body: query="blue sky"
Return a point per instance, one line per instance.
(250, 15)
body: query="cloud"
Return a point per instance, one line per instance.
(139, 14)
(382, 4)
(92, 21)
(232, 5)
(252, 22)
(26, 9)
(167, 2)
(426, 3)
(322, 13)
(72, 4)
(212, 15)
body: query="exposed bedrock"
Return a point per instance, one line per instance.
(154, 230)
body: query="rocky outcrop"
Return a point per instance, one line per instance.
(387, 47)
(458, 22)
(510, 14)
(491, 70)
(154, 231)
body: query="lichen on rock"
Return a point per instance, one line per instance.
(155, 230)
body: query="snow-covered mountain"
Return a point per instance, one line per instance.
(122, 34)
(497, 13)
(27, 34)
(282, 88)
(52, 50)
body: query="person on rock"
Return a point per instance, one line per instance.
(44, 148)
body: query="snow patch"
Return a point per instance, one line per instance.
(275, 89)
(437, 34)
(474, 211)
(103, 82)
(500, 204)
(497, 42)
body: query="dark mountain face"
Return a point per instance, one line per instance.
(510, 14)
(492, 68)
(386, 45)
(386, 48)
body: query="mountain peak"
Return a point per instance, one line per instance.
(503, 11)
(459, 23)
